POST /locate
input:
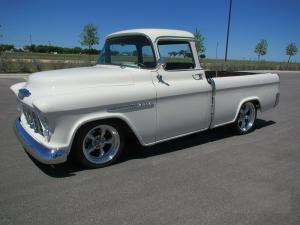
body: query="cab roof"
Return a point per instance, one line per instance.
(153, 34)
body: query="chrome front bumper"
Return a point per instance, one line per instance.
(36, 149)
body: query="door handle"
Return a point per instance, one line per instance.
(197, 76)
(160, 80)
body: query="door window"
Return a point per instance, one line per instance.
(176, 54)
(123, 54)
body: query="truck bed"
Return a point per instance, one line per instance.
(232, 89)
(214, 74)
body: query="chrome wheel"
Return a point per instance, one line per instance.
(101, 144)
(246, 117)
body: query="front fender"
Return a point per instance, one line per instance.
(107, 116)
(66, 124)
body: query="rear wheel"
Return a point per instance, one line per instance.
(99, 144)
(246, 119)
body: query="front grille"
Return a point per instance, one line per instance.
(32, 119)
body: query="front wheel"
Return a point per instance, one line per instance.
(246, 119)
(98, 145)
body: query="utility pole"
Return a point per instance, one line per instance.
(228, 28)
(217, 50)
(30, 39)
(49, 44)
(0, 33)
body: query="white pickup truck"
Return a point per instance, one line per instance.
(147, 82)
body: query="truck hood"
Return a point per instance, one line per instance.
(73, 81)
(66, 80)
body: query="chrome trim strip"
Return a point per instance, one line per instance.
(213, 100)
(36, 149)
(132, 107)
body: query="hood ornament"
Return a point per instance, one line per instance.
(23, 93)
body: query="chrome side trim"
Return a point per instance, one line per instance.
(132, 107)
(36, 149)
(213, 99)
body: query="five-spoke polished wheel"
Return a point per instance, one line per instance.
(98, 145)
(246, 118)
(101, 144)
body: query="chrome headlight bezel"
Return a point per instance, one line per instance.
(44, 123)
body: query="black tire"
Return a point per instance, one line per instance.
(237, 125)
(77, 150)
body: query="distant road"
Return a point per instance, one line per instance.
(14, 75)
(275, 71)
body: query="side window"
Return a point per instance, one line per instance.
(123, 54)
(148, 56)
(176, 54)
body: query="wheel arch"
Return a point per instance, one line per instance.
(255, 100)
(125, 123)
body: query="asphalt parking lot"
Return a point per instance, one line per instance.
(212, 177)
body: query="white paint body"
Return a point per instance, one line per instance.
(70, 98)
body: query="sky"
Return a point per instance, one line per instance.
(61, 22)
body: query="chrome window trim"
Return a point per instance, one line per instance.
(188, 40)
(135, 34)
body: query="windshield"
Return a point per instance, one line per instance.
(133, 51)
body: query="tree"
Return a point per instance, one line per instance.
(30, 48)
(199, 42)
(89, 36)
(4, 47)
(261, 48)
(291, 50)
(181, 52)
(173, 53)
(202, 56)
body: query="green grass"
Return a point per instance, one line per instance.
(38, 56)
(8, 66)
(235, 65)
(33, 62)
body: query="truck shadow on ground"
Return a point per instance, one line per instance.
(137, 151)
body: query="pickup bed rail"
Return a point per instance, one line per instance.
(213, 74)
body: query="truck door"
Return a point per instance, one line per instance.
(183, 93)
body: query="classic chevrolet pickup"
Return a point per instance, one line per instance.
(147, 82)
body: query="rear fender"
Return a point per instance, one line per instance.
(249, 99)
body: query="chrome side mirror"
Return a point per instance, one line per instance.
(161, 63)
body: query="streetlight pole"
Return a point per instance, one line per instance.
(217, 50)
(30, 39)
(228, 28)
(0, 34)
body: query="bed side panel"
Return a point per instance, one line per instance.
(232, 92)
